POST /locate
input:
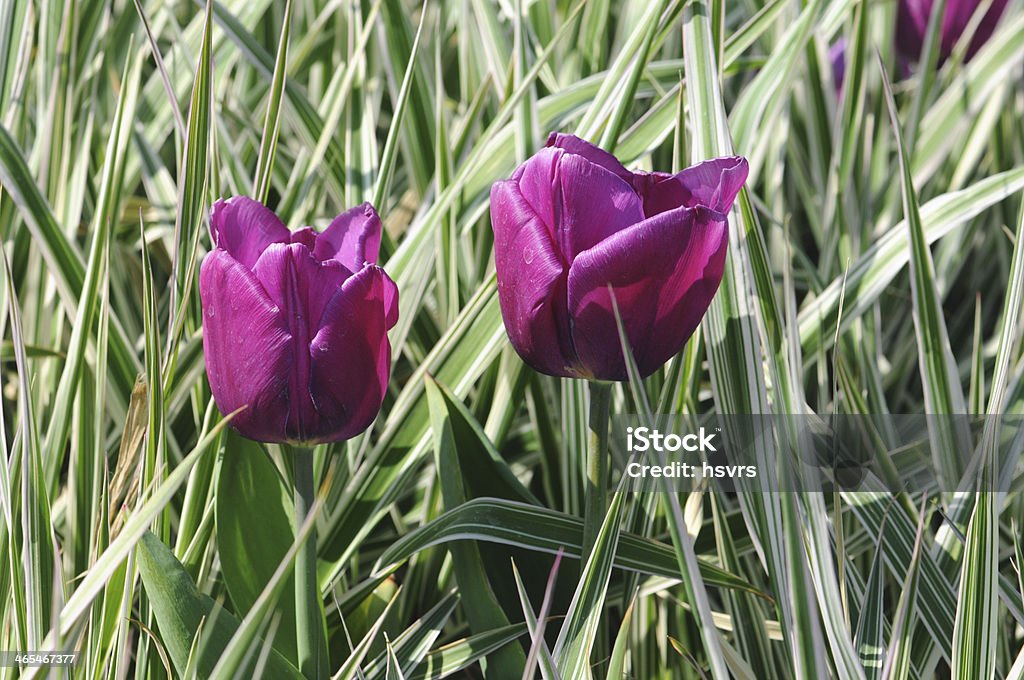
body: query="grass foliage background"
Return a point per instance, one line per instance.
(875, 267)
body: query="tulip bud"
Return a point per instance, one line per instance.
(572, 222)
(295, 324)
(912, 25)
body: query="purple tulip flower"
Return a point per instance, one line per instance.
(572, 222)
(295, 324)
(912, 24)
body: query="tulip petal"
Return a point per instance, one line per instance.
(594, 205)
(713, 184)
(351, 357)
(536, 182)
(390, 301)
(298, 283)
(302, 287)
(247, 347)
(959, 14)
(306, 236)
(664, 273)
(579, 202)
(244, 228)
(597, 155)
(912, 25)
(352, 239)
(531, 282)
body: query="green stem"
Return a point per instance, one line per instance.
(309, 627)
(596, 493)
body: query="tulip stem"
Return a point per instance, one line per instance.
(596, 492)
(309, 628)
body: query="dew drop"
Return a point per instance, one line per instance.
(209, 311)
(528, 255)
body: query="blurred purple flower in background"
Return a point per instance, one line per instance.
(572, 221)
(912, 25)
(837, 58)
(295, 324)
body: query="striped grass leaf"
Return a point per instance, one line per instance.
(927, 73)
(137, 524)
(750, 642)
(154, 48)
(627, 93)
(193, 188)
(38, 568)
(527, 134)
(272, 120)
(974, 633)
(618, 662)
(897, 661)
(761, 100)
(869, 637)
(539, 656)
(349, 670)
(409, 648)
(390, 153)
(617, 74)
(734, 349)
(895, 528)
(454, 657)
(457, 360)
(679, 528)
(62, 257)
(943, 393)
(295, 203)
(578, 633)
(394, 669)
(870, 274)
(109, 201)
(398, 49)
(154, 440)
(545, 530)
(195, 169)
(946, 120)
(850, 119)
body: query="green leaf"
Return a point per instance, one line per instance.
(482, 608)
(251, 493)
(181, 611)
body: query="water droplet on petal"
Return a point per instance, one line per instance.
(209, 311)
(528, 255)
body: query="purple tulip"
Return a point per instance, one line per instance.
(572, 222)
(295, 324)
(912, 24)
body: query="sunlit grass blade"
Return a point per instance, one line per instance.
(272, 121)
(943, 393)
